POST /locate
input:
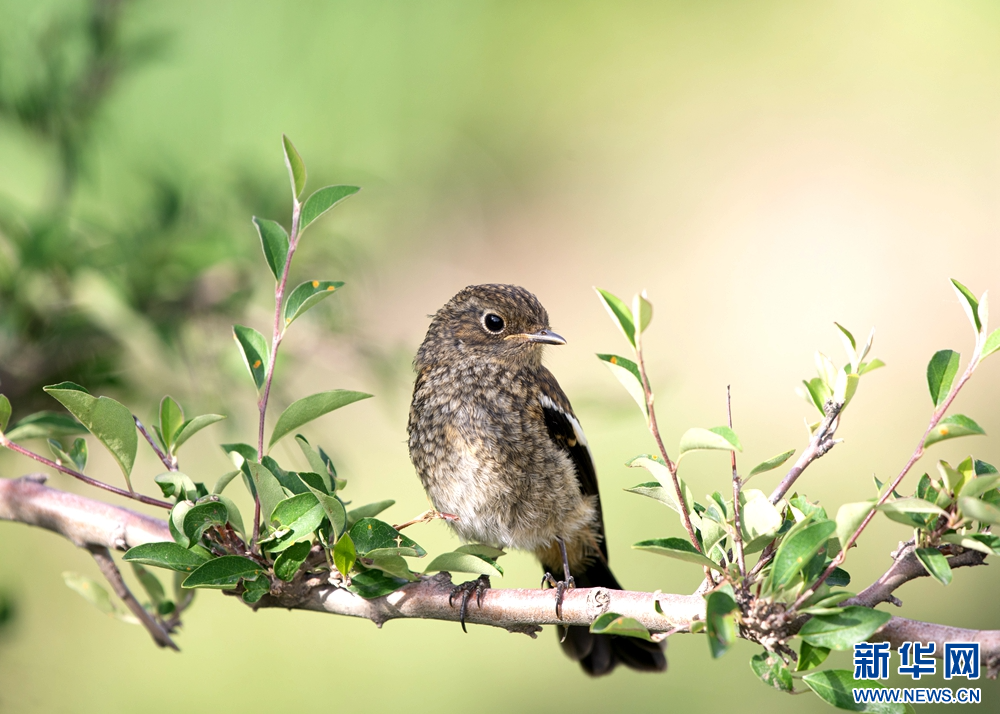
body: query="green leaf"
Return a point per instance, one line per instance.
(953, 426)
(627, 372)
(850, 516)
(306, 295)
(370, 535)
(845, 387)
(720, 620)
(654, 490)
(483, 551)
(759, 521)
(4, 412)
(983, 542)
(150, 583)
(224, 480)
(772, 463)
(367, 511)
(941, 371)
(456, 562)
(657, 468)
(979, 510)
(867, 367)
(979, 485)
(171, 419)
(78, 462)
(611, 623)
(308, 408)
(175, 484)
(45, 425)
(274, 242)
(620, 314)
(192, 427)
(836, 687)
(992, 344)
(642, 311)
(296, 167)
(810, 657)
(818, 391)
(393, 565)
(772, 671)
(287, 564)
(796, 550)
(344, 554)
(176, 522)
(165, 555)
(94, 593)
(255, 588)
(717, 438)
(333, 507)
(321, 202)
(203, 516)
(267, 488)
(223, 573)
(253, 348)
(300, 515)
(913, 512)
(371, 584)
(105, 418)
(936, 564)
(678, 548)
(843, 630)
(969, 303)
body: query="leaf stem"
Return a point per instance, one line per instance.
(655, 431)
(4, 441)
(737, 484)
(169, 460)
(278, 333)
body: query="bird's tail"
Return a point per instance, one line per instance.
(600, 654)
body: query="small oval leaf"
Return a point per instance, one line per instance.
(306, 295)
(308, 408)
(321, 202)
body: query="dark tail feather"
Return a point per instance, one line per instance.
(600, 654)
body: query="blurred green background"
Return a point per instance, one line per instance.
(761, 169)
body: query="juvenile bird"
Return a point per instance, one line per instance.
(495, 442)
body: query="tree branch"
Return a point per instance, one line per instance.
(94, 525)
(906, 567)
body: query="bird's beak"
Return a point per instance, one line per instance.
(545, 337)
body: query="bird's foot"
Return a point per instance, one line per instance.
(478, 586)
(561, 586)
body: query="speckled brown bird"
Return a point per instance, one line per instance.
(495, 442)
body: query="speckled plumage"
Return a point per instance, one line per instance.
(495, 442)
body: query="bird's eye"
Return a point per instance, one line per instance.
(493, 322)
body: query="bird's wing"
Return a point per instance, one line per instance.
(567, 434)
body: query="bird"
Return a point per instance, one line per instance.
(495, 443)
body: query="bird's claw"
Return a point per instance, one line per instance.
(561, 586)
(478, 586)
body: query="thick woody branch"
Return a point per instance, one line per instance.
(96, 526)
(899, 630)
(906, 567)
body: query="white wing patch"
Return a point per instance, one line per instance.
(580, 438)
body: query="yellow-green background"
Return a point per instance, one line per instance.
(762, 169)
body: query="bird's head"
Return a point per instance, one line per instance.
(489, 322)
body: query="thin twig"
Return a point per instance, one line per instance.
(169, 460)
(655, 431)
(110, 571)
(737, 533)
(820, 443)
(906, 567)
(4, 441)
(914, 457)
